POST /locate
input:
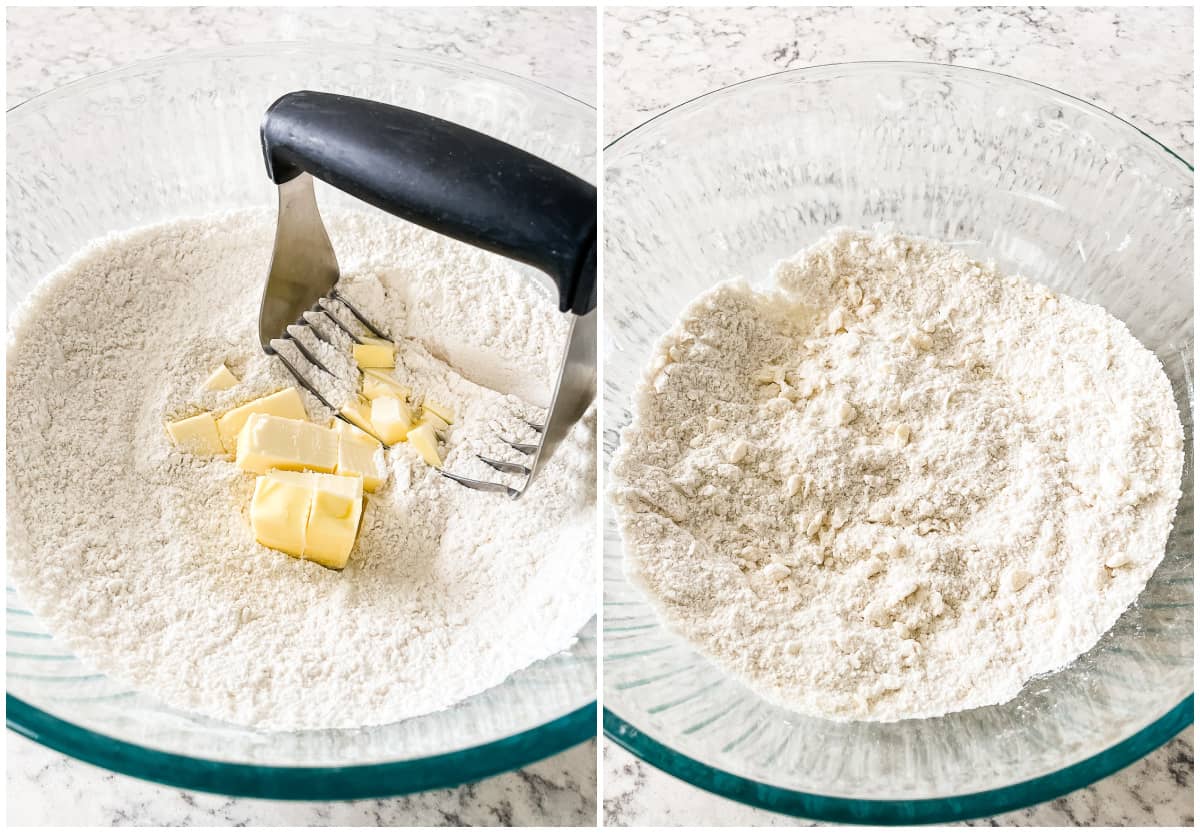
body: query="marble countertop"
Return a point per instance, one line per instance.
(1136, 63)
(1155, 791)
(52, 46)
(48, 47)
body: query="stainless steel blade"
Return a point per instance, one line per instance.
(303, 265)
(576, 386)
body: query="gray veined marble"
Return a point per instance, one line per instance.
(50, 47)
(53, 46)
(1136, 63)
(46, 788)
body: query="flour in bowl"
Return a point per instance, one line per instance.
(897, 484)
(142, 558)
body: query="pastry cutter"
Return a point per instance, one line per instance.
(447, 178)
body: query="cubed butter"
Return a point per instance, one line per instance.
(197, 434)
(358, 411)
(271, 442)
(424, 440)
(286, 403)
(343, 427)
(428, 417)
(392, 418)
(361, 456)
(220, 379)
(308, 514)
(441, 410)
(279, 510)
(373, 388)
(375, 352)
(383, 377)
(333, 521)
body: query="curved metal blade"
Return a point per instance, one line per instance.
(303, 265)
(575, 390)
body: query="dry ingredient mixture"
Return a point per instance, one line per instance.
(898, 483)
(141, 556)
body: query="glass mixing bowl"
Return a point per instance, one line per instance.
(178, 136)
(1047, 185)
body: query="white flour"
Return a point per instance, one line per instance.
(142, 557)
(898, 485)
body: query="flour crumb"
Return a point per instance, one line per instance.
(142, 558)
(972, 483)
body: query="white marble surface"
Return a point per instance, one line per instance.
(46, 788)
(52, 46)
(1136, 63)
(48, 47)
(1155, 791)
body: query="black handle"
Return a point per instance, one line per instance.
(446, 177)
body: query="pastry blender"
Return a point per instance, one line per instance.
(445, 177)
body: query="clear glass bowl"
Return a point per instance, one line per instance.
(1047, 185)
(178, 137)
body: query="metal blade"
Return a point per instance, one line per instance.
(524, 448)
(576, 386)
(481, 485)
(303, 265)
(505, 466)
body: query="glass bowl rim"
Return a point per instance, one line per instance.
(298, 783)
(919, 811)
(892, 811)
(283, 47)
(927, 66)
(303, 783)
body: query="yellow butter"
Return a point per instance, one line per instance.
(375, 353)
(197, 434)
(220, 379)
(442, 411)
(358, 411)
(286, 403)
(383, 377)
(333, 520)
(270, 442)
(428, 417)
(360, 455)
(373, 388)
(424, 440)
(308, 514)
(279, 510)
(343, 427)
(392, 418)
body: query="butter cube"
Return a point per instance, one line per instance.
(430, 418)
(392, 419)
(380, 378)
(279, 510)
(360, 457)
(286, 403)
(307, 515)
(333, 520)
(271, 442)
(220, 379)
(373, 388)
(424, 440)
(358, 411)
(375, 352)
(343, 427)
(197, 434)
(442, 411)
